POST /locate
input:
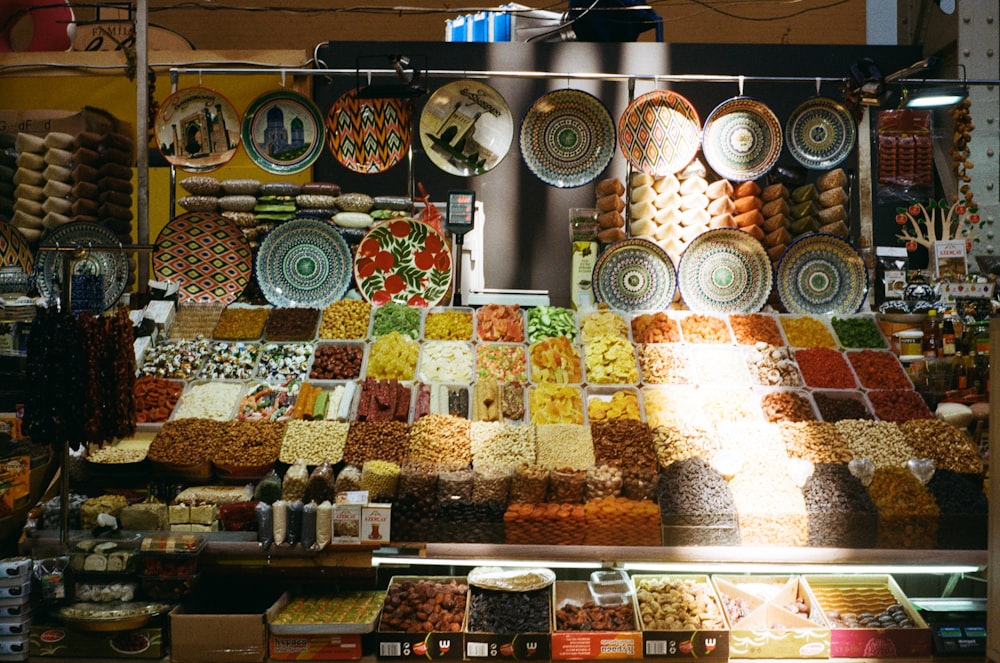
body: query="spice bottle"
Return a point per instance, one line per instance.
(932, 336)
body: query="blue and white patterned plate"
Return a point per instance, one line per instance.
(567, 138)
(741, 139)
(725, 270)
(303, 263)
(111, 266)
(634, 275)
(821, 274)
(820, 133)
(283, 132)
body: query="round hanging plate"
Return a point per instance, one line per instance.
(821, 133)
(404, 261)
(466, 128)
(303, 263)
(206, 254)
(821, 274)
(368, 135)
(283, 132)
(197, 129)
(725, 271)
(14, 248)
(634, 275)
(111, 266)
(567, 138)
(742, 139)
(659, 133)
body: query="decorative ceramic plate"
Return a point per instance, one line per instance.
(726, 271)
(111, 266)
(634, 275)
(821, 133)
(567, 138)
(368, 135)
(821, 274)
(742, 139)
(206, 254)
(283, 132)
(14, 248)
(303, 263)
(197, 129)
(466, 128)
(404, 261)
(659, 133)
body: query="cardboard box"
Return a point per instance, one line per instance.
(701, 644)
(326, 640)
(227, 631)
(771, 630)
(42, 122)
(861, 591)
(432, 645)
(346, 523)
(511, 646)
(375, 522)
(587, 645)
(315, 647)
(63, 641)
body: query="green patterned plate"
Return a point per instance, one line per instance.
(303, 263)
(821, 274)
(725, 271)
(567, 138)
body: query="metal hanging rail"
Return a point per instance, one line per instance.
(579, 76)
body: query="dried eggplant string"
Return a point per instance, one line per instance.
(81, 372)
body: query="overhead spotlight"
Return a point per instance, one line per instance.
(407, 87)
(867, 85)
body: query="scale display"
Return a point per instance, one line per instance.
(461, 211)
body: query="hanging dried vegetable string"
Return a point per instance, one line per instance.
(962, 116)
(56, 372)
(81, 378)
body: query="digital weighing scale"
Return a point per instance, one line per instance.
(958, 626)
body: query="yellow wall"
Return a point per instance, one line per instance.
(113, 92)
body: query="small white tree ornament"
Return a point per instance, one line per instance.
(937, 221)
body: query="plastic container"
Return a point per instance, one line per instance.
(610, 587)
(169, 588)
(173, 556)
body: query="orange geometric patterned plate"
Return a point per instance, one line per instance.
(368, 135)
(659, 133)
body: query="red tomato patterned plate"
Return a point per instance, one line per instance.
(405, 261)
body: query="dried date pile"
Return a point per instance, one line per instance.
(424, 605)
(592, 617)
(495, 611)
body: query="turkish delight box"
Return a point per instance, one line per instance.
(433, 644)
(575, 645)
(52, 640)
(663, 631)
(773, 617)
(869, 617)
